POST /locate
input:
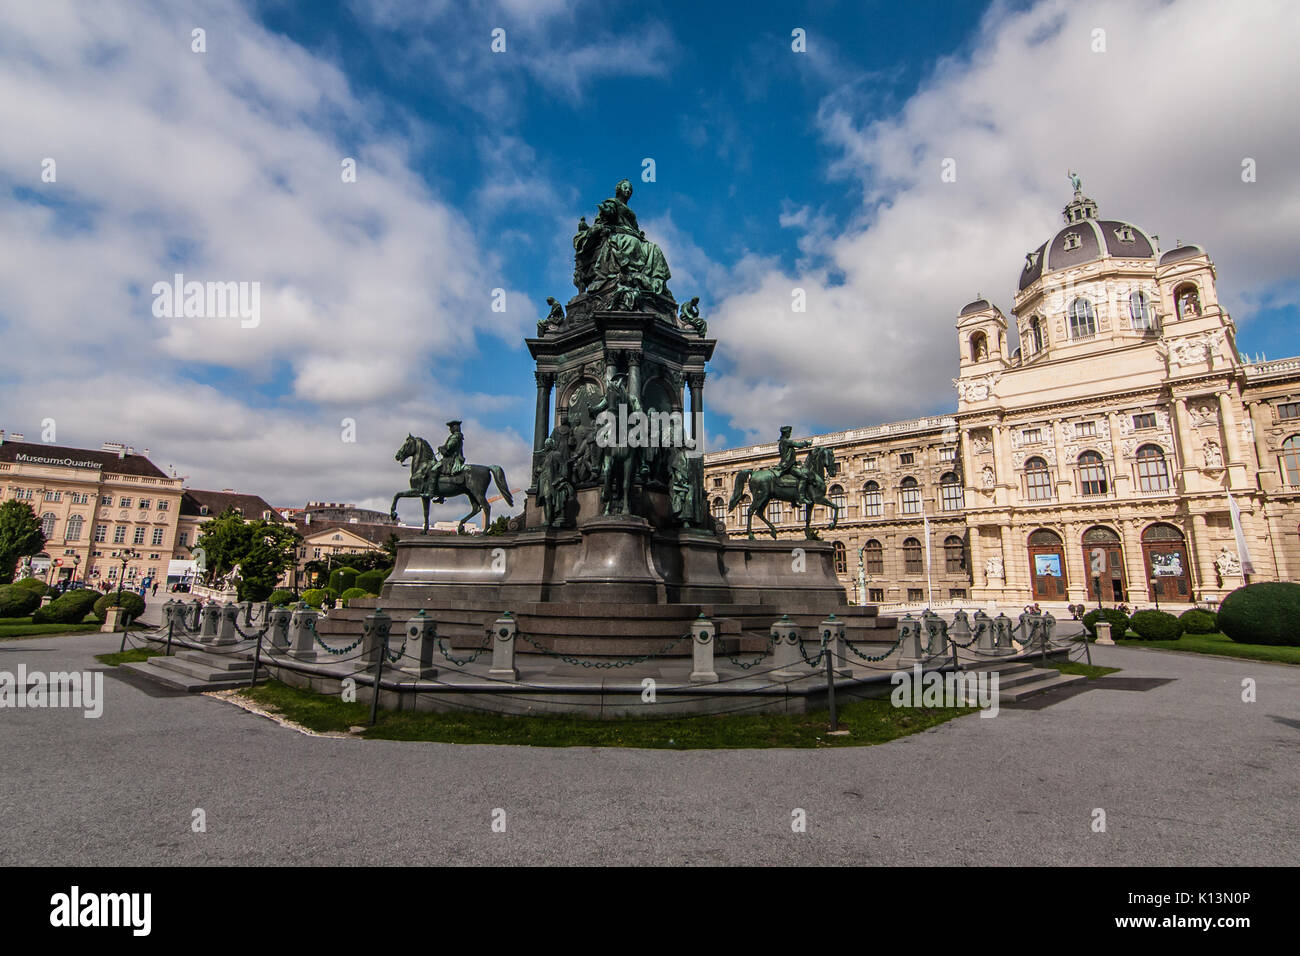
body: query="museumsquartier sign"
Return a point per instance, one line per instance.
(62, 462)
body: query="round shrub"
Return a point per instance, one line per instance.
(1199, 621)
(372, 582)
(280, 598)
(314, 597)
(1266, 613)
(131, 602)
(351, 593)
(72, 608)
(1118, 622)
(1156, 626)
(343, 578)
(17, 602)
(36, 586)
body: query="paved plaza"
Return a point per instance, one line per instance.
(1186, 773)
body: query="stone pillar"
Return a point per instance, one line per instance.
(1268, 477)
(1233, 460)
(703, 641)
(695, 381)
(278, 620)
(1121, 480)
(1181, 430)
(1103, 632)
(1064, 482)
(421, 636)
(209, 616)
(301, 626)
(504, 630)
(228, 617)
(542, 421)
(374, 642)
(833, 634)
(785, 649)
(910, 640)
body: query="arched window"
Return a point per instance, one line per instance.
(1153, 471)
(911, 496)
(1291, 460)
(838, 498)
(1092, 474)
(841, 558)
(776, 512)
(875, 555)
(73, 531)
(1038, 480)
(47, 524)
(719, 509)
(954, 554)
(979, 347)
(1035, 335)
(1083, 320)
(745, 502)
(871, 500)
(951, 493)
(912, 563)
(1139, 310)
(1187, 298)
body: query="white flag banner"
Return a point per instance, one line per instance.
(1243, 550)
(929, 589)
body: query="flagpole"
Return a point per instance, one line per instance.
(929, 588)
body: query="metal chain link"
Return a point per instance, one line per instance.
(311, 624)
(604, 665)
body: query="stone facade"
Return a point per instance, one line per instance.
(1101, 453)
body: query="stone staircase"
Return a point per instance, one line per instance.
(1018, 680)
(197, 671)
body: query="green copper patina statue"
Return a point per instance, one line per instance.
(614, 261)
(434, 480)
(619, 460)
(801, 486)
(554, 490)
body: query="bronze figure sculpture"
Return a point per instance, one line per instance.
(434, 479)
(783, 484)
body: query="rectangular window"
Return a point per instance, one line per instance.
(157, 536)
(144, 504)
(138, 537)
(125, 503)
(953, 497)
(906, 458)
(1086, 429)
(183, 539)
(1031, 436)
(106, 500)
(119, 534)
(1144, 420)
(957, 594)
(915, 594)
(101, 533)
(912, 500)
(163, 504)
(869, 463)
(876, 595)
(1288, 410)
(947, 454)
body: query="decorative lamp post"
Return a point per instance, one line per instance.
(124, 556)
(1155, 591)
(76, 568)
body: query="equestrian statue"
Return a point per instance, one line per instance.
(436, 477)
(801, 485)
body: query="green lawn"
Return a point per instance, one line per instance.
(128, 656)
(1079, 667)
(19, 627)
(869, 722)
(1221, 644)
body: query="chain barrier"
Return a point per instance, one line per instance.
(337, 652)
(605, 665)
(401, 652)
(459, 662)
(820, 655)
(755, 662)
(874, 659)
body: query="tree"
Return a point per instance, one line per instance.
(500, 526)
(262, 549)
(20, 536)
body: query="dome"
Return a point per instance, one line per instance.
(1085, 239)
(979, 305)
(1181, 253)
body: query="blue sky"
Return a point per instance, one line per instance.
(773, 170)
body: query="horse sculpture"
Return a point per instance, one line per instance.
(764, 485)
(427, 483)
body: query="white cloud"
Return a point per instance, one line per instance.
(1157, 126)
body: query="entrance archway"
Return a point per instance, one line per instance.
(1103, 560)
(1167, 563)
(1047, 566)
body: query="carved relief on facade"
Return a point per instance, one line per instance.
(981, 443)
(1212, 455)
(1227, 565)
(1203, 414)
(987, 478)
(978, 389)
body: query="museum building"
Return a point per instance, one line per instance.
(1102, 458)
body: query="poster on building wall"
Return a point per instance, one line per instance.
(1047, 565)
(1167, 564)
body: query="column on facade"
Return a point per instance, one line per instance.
(1267, 471)
(1076, 588)
(695, 382)
(1232, 457)
(1001, 466)
(1121, 480)
(542, 419)
(1201, 553)
(1181, 430)
(1013, 557)
(1135, 569)
(1064, 474)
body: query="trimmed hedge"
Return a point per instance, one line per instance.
(351, 593)
(1118, 622)
(1156, 626)
(372, 582)
(1199, 621)
(36, 586)
(130, 601)
(280, 598)
(17, 602)
(71, 608)
(314, 597)
(1266, 613)
(343, 578)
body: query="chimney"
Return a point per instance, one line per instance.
(17, 436)
(130, 449)
(146, 453)
(2, 436)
